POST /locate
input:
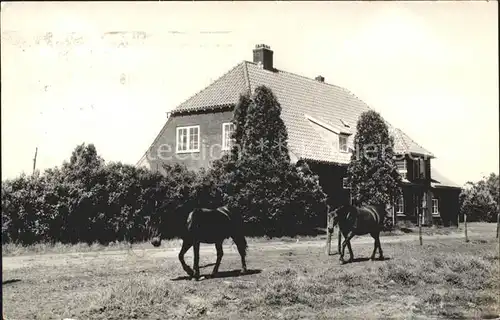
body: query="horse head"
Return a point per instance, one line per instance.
(175, 218)
(335, 215)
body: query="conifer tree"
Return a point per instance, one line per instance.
(372, 172)
(267, 189)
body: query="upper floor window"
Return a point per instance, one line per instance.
(227, 133)
(188, 139)
(401, 164)
(345, 185)
(400, 205)
(419, 169)
(343, 143)
(435, 206)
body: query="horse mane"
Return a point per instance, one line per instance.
(343, 209)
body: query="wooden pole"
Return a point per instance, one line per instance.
(498, 224)
(328, 235)
(465, 226)
(328, 243)
(339, 241)
(393, 216)
(420, 227)
(34, 160)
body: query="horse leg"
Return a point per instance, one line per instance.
(220, 253)
(351, 254)
(196, 266)
(347, 242)
(375, 244)
(241, 244)
(185, 247)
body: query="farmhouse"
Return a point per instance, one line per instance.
(321, 122)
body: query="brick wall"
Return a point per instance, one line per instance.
(164, 148)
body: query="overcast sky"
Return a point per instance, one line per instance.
(430, 68)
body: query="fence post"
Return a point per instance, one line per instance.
(420, 227)
(339, 245)
(328, 242)
(465, 225)
(498, 223)
(328, 235)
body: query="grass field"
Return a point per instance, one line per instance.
(445, 278)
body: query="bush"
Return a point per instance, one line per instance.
(88, 201)
(479, 201)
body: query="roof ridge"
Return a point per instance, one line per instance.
(302, 76)
(208, 86)
(316, 81)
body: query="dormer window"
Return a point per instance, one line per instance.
(401, 164)
(343, 144)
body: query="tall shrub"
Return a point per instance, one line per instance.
(479, 200)
(263, 185)
(372, 172)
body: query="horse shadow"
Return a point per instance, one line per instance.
(10, 281)
(222, 274)
(364, 259)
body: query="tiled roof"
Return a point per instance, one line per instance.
(441, 181)
(301, 99)
(224, 91)
(405, 144)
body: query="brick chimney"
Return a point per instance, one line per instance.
(320, 78)
(264, 55)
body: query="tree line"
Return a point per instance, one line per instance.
(88, 200)
(480, 200)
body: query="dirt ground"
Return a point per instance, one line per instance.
(445, 278)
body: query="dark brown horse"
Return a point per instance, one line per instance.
(208, 226)
(354, 221)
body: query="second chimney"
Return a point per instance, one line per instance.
(264, 55)
(320, 78)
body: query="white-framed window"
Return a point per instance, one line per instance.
(435, 206)
(400, 205)
(345, 185)
(343, 143)
(188, 139)
(227, 132)
(401, 164)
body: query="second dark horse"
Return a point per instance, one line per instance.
(354, 221)
(208, 226)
